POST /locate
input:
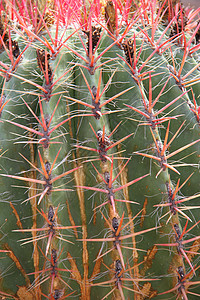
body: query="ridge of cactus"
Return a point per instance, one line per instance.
(99, 150)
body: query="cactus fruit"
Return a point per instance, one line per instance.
(100, 150)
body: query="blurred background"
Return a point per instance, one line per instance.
(193, 3)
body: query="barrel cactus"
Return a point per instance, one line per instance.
(100, 150)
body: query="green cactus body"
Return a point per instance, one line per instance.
(99, 139)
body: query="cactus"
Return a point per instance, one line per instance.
(99, 140)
